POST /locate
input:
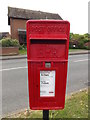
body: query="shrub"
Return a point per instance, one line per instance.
(79, 41)
(8, 42)
(87, 45)
(22, 47)
(73, 43)
(81, 44)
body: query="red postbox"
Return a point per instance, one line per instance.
(47, 55)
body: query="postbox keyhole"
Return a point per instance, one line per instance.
(47, 64)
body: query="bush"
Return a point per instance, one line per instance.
(73, 44)
(81, 44)
(8, 42)
(79, 41)
(22, 47)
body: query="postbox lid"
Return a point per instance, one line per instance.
(48, 29)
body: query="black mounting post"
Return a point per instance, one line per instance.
(45, 114)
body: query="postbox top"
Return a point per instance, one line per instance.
(46, 20)
(48, 29)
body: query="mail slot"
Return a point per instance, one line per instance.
(47, 56)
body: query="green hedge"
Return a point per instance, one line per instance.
(8, 42)
(79, 41)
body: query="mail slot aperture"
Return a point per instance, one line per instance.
(43, 48)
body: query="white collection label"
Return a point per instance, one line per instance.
(47, 83)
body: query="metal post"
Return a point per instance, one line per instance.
(45, 114)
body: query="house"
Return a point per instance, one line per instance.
(4, 34)
(17, 20)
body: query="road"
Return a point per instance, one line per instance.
(15, 81)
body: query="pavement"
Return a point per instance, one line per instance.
(77, 52)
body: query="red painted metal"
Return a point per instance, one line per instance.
(47, 41)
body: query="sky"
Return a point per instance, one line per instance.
(74, 11)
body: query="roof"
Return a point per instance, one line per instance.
(19, 13)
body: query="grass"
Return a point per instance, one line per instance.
(73, 50)
(76, 106)
(23, 51)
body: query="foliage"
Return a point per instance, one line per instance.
(8, 42)
(76, 106)
(23, 51)
(22, 47)
(79, 41)
(76, 41)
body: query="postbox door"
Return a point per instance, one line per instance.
(46, 61)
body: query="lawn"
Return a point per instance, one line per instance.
(76, 106)
(24, 51)
(73, 50)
